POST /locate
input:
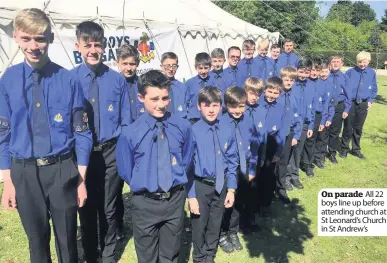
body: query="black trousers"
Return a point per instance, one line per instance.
(120, 209)
(157, 227)
(335, 128)
(310, 143)
(353, 126)
(281, 169)
(206, 226)
(48, 192)
(103, 185)
(321, 145)
(266, 181)
(295, 157)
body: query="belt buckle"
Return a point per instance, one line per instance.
(208, 181)
(97, 148)
(165, 195)
(42, 162)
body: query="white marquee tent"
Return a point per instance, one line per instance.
(185, 27)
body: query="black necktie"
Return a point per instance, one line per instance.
(264, 69)
(41, 130)
(94, 100)
(133, 100)
(248, 62)
(336, 85)
(358, 99)
(171, 106)
(164, 169)
(218, 162)
(288, 60)
(275, 67)
(234, 72)
(242, 155)
(203, 83)
(287, 101)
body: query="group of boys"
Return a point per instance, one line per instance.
(226, 139)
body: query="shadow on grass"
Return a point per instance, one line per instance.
(375, 136)
(283, 232)
(380, 100)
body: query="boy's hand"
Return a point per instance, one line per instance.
(8, 198)
(294, 142)
(345, 115)
(251, 177)
(82, 194)
(369, 105)
(321, 128)
(309, 133)
(230, 197)
(328, 123)
(193, 206)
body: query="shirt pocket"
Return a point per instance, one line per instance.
(59, 118)
(112, 110)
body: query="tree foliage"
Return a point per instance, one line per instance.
(362, 12)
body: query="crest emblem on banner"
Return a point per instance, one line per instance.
(146, 48)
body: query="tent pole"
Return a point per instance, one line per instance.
(185, 52)
(208, 47)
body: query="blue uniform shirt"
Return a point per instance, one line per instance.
(193, 87)
(137, 151)
(319, 95)
(291, 116)
(179, 95)
(204, 153)
(64, 107)
(114, 105)
(269, 118)
(133, 83)
(250, 139)
(304, 91)
(287, 60)
(265, 72)
(219, 80)
(243, 73)
(341, 92)
(230, 75)
(365, 89)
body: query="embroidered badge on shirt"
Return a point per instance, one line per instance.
(110, 108)
(142, 110)
(85, 118)
(320, 99)
(78, 128)
(58, 118)
(295, 115)
(310, 106)
(270, 73)
(180, 108)
(274, 128)
(225, 146)
(174, 161)
(260, 124)
(248, 148)
(369, 87)
(329, 94)
(218, 152)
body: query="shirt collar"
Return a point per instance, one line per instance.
(205, 80)
(43, 71)
(88, 72)
(132, 79)
(365, 70)
(151, 121)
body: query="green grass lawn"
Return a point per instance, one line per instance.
(290, 234)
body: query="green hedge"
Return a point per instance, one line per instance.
(377, 61)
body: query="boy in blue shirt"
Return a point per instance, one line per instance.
(275, 51)
(362, 85)
(203, 79)
(292, 129)
(214, 183)
(248, 66)
(269, 115)
(231, 72)
(177, 91)
(304, 92)
(288, 58)
(153, 155)
(341, 104)
(106, 93)
(43, 123)
(217, 73)
(247, 142)
(265, 64)
(254, 90)
(325, 86)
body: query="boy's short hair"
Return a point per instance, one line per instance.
(125, 51)
(316, 63)
(274, 83)
(89, 31)
(217, 53)
(153, 78)
(32, 21)
(275, 46)
(254, 85)
(324, 64)
(335, 57)
(235, 95)
(363, 55)
(248, 43)
(290, 72)
(210, 94)
(264, 44)
(169, 55)
(287, 40)
(202, 59)
(233, 48)
(305, 63)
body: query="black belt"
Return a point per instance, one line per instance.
(44, 161)
(318, 112)
(104, 145)
(161, 195)
(206, 180)
(354, 101)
